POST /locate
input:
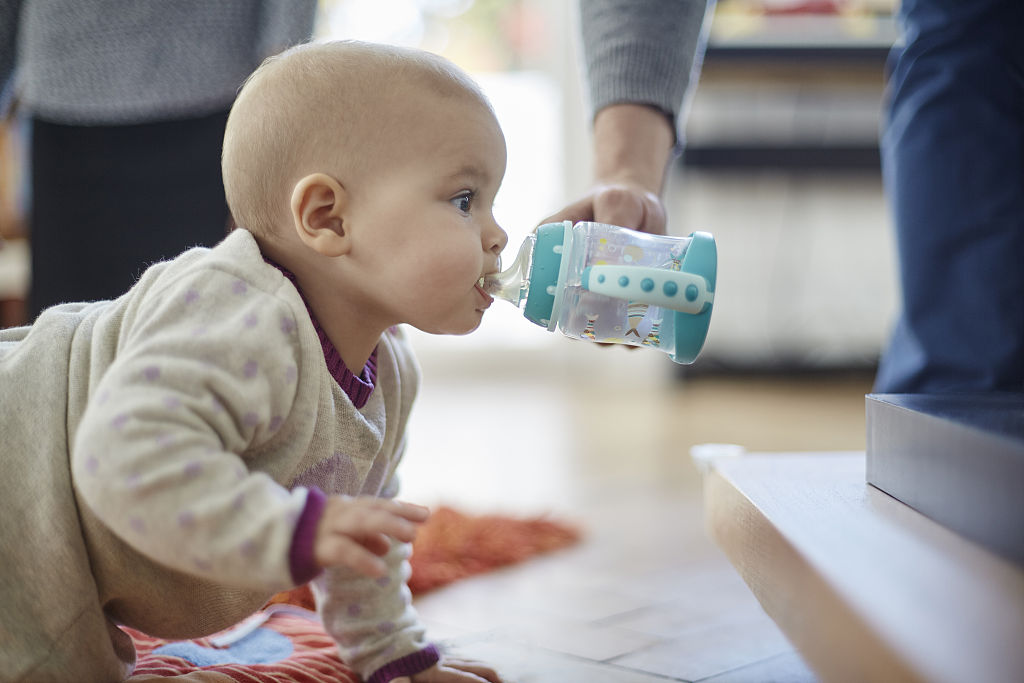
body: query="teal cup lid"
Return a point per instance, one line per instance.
(691, 330)
(547, 262)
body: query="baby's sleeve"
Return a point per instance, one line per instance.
(206, 374)
(372, 620)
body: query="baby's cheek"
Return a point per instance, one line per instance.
(455, 268)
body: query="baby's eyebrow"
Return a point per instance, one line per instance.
(470, 171)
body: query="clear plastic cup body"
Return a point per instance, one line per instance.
(584, 314)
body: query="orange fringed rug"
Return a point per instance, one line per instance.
(451, 545)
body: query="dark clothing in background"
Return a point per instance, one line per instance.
(110, 200)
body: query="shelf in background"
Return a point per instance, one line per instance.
(819, 37)
(790, 91)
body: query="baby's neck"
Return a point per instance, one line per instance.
(348, 366)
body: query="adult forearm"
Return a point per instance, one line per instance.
(633, 144)
(642, 51)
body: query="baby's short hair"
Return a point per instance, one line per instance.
(306, 109)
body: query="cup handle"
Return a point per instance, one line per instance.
(671, 289)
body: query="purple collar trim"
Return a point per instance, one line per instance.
(357, 387)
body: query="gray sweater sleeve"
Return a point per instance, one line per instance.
(642, 51)
(9, 11)
(134, 61)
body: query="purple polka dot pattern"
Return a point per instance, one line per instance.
(152, 373)
(239, 287)
(275, 423)
(383, 581)
(172, 402)
(348, 640)
(191, 296)
(250, 369)
(186, 519)
(291, 373)
(138, 526)
(193, 469)
(287, 325)
(251, 320)
(354, 610)
(251, 420)
(92, 465)
(249, 549)
(119, 421)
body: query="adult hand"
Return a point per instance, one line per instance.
(632, 147)
(353, 532)
(624, 204)
(453, 671)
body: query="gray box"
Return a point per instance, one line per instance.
(958, 459)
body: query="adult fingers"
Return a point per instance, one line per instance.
(619, 205)
(655, 221)
(580, 210)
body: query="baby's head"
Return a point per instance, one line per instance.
(344, 108)
(370, 172)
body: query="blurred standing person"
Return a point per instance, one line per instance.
(952, 159)
(642, 58)
(953, 165)
(128, 101)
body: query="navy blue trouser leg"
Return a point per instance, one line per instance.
(107, 201)
(953, 163)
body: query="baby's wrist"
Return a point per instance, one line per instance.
(301, 555)
(409, 665)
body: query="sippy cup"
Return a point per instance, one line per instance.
(604, 283)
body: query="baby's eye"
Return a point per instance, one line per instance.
(463, 202)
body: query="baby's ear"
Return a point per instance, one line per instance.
(318, 205)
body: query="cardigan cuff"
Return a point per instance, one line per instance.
(301, 560)
(407, 666)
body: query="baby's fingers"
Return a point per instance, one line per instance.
(365, 518)
(340, 551)
(410, 511)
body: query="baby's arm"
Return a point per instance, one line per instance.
(372, 620)
(208, 369)
(378, 632)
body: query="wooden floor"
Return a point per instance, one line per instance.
(603, 442)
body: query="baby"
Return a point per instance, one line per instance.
(230, 427)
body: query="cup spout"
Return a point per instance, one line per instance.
(513, 283)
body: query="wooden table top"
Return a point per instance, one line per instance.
(866, 588)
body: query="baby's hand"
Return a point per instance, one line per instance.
(453, 671)
(352, 531)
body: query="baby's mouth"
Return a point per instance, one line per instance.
(489, 283)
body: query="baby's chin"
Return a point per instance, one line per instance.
(453, 330)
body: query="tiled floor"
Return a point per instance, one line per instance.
(603, 443)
